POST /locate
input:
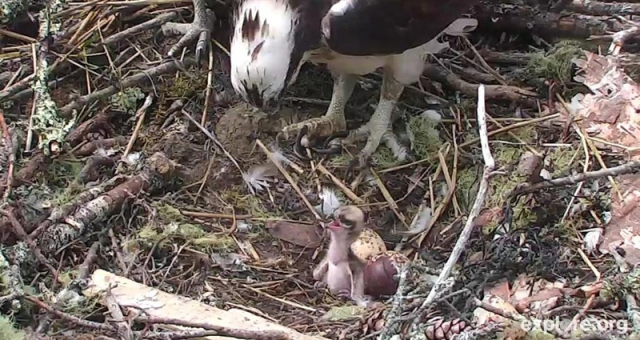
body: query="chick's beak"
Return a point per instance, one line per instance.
(334, 225)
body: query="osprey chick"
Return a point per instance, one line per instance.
(271, 39)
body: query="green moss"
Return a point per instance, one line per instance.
(172, 226)
(187, 86)
(619, 286)
(501, 186)
(127, 99)
(426, 140)
(8, 332)
(468, 180)
(249, 204)
(554, 64)
(561, 160)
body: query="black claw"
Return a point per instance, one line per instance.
(332, 147)
(331, 150)
(298, 149)
(341, 134)
(201, 46)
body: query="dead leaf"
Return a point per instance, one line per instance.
(611, 112)
(590, 290)
(483, 317)
(488, 216)
(623, 231)
(305, 235)
(530, 165)
(542, 296)
(500, 290)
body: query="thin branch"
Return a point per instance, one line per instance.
(11, 157)
(461, 244)
(525, 188)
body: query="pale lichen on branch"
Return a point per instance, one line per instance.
(47, 122)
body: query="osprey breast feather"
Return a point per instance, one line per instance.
(273, 38)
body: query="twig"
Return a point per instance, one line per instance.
(207, 96)
(142, 112)
(495, 310)
(288, 177)
(214, 140)
(19, 231)
(8, 145)
(619, 39)
(387, 196)
(222, 331)
(352, 196)
(73, 319)
(137, 79)
(461, 244)
(473, 141)
(524, 188)
(124, 329)
(488, 68)
(396, 304)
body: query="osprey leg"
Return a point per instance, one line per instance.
(378, 129)
(201, 27)
(333, 121)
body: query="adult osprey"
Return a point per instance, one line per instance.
(271, 40)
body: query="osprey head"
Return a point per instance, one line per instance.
(265, 54)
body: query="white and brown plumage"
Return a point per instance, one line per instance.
(271, 40)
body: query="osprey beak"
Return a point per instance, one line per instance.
(326, 30)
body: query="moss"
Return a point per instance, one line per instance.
(127, 99)
(622, 285)
(249, 204)
(467, 185)
(426, 138)
(501, 186)
(8, 332)
(561, 160)
(171, 225)
(555, 64)
(185, 87)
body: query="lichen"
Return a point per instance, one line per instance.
(51, 128)
(9, 9)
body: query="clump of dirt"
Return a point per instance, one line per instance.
(242, 124)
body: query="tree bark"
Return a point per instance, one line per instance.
(526, 19)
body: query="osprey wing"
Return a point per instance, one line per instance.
(383, 27)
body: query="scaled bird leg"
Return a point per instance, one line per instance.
(201, 28)
(378, 128)
(333, 121)
(357, 286)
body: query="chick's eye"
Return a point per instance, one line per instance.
(346, 223)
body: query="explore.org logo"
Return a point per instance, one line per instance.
(587, 325)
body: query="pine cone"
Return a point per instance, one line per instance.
(444, 330)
